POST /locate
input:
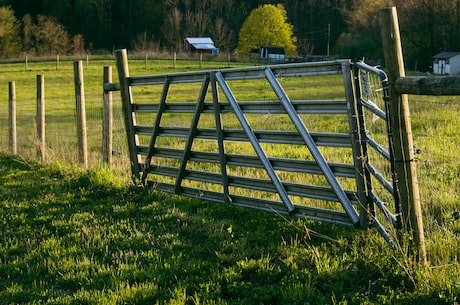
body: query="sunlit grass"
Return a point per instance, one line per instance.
(74, 237)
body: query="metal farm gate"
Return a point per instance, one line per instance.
(291, 139)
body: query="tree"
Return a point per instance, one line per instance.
(46, 37)
(427, 28)
(362, 40)
(10, 42)
(267, 26)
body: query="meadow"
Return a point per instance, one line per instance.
(88, 237)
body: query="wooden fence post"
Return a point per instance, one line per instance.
(107, 119)
(40, 120)
(130, 120)
(12, 134)
(81, 113)
(403, 153)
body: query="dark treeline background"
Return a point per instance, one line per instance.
(346, 28)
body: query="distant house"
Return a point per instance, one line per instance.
(200, 45)
(272, 53)
(446, 63)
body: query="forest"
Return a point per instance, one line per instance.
(342, 28)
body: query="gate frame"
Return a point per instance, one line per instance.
(364, 219)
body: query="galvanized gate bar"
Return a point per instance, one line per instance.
(264, 136)
(365, 204)
(311, 145)
(300, 166)
(301, 106)
(220, 137)
(192, 134)
(255, 143)
(155, 130)
(248, 73)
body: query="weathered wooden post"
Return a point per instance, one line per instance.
(174, 59)
(107, 119)
(81, 113)
(40, 120)
(404, 159)
(12, 134)
(130, 120)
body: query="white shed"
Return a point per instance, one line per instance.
(446, 63)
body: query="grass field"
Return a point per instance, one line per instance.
(76, 237)
(87, 237)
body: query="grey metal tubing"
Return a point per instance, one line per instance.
(256, 72)
(322, 163)
(382, 151)
(255, 143)
(383, 232)
(264, 136)
(192, 133)
(384, 182)
(283, 164)
(257, 107)
(374, 109)
(155, 130)
(386, 212)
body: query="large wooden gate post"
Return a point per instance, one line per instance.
(403, 153)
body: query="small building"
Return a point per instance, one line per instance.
(272, 53)
(200, 45)
(446, 63)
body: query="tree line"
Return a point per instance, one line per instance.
(343, 28)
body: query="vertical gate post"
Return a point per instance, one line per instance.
(403, 153)
(81, 113)
(40, 120)
(130, 119)
(107, 119)
(12, 135)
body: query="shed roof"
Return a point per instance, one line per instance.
(445, 55)
(201, 43)
(199, 40)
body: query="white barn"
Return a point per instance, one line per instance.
(446, 63)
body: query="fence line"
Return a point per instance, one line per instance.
(19, 133)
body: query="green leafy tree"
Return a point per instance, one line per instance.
(10, 41)
(267, 26)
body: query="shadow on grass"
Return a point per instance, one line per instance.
(75, 237)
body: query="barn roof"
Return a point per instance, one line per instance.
(201, 43)
(445, 55)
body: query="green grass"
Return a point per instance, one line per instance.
(76, 237)
(86, 237)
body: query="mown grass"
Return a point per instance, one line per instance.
(86, 237)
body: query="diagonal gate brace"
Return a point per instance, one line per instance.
(307, 138)
(255, 143)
